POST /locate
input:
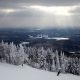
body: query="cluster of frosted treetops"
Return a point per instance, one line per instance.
(41, 58)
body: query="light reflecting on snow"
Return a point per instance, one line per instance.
(47, 37)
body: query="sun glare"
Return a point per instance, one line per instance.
(7, 10)
(59, 10)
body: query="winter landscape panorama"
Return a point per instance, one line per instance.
(39, 39)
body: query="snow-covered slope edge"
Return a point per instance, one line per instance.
(11, 72)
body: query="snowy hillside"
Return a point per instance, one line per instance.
(11, 72)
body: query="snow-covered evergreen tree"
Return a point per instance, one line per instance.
(13, 51)
(53, 62)
(57, 61)
(21, 54)
(39, 57)
(62, 62)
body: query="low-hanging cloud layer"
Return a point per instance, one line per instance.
(40, 13)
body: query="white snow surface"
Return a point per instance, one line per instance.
(23, 43)
(59, 38)
(47, 37)
(12, 72)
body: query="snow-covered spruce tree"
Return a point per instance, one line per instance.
(57, 61)
(7, 52)
(40, 57)
(21, 54)
(13, 53)
(73, 64)
(62, 62)
(49, 59)
(76, 66)
(26, 50)
(43, 58)
(79, 66)
(36, 58)
(65, 62)
(31, 57)
(69, 69)
(53, 61)
(2, 54)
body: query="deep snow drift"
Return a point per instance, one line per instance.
(11, 72)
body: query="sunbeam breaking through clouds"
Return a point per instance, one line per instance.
(40, 13)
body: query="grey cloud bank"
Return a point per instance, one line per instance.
(25, 13)
(43, 2)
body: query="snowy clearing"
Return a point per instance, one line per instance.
(11, 72)
(59, 38)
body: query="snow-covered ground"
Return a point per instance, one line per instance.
(59, 38)
(11, 72)
(25, 43)
(47, 37)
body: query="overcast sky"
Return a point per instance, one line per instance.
(40, 13)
